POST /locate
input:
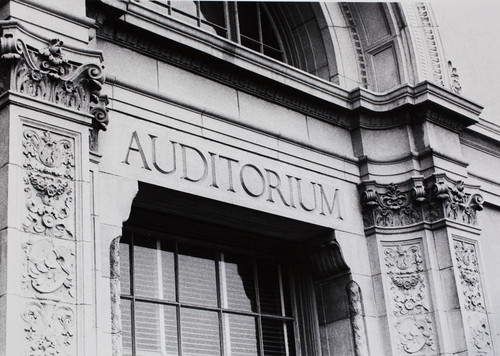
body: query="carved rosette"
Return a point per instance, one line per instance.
(49, 160)
(409, 300)
(47, 74)
(49, 269)
(473, 300)
(49, 329)
(430, 200)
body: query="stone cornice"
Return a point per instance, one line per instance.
(419, 200)
(203, 54)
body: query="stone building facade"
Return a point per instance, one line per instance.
(209, 178)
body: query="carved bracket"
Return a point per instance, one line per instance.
(47, 74)
(419, 200)
(326, 258)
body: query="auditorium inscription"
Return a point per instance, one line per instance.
(231, 174)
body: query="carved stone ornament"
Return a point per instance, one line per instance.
(409, 302)
(49, 160)
(356, 316)
(49, 269)
(390, 206)
(449, 200)
(435, 198)
(47, 74)
(48, 329)
(326, 258)
(405, 269)
(480, 333)
(415, 333)
(454, 79)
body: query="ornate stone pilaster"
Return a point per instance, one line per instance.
(409, 298)
(48, 74)
(49, 250)
(417, 200)
(472, 297)
(116, 323)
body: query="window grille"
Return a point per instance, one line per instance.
(178, 298)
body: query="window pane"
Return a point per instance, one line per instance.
(125, 266)
(269, 287)
(147, 328)
(239, 286)
(197, 277)
(273, 335)
(145, 268)
(168, 270)
(185, 11)
(247, 17)
(170, 333)
(200, 333)
(126, 311)
(241, 334)
(213, 12)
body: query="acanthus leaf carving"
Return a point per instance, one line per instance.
(454, 79)
(356, 317)
(434, 199)
(391, 206)
(46, 74)
(49, 328)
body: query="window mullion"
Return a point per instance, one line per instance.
(220, 287)
(257, 299)
(259, 27)
(282, 302)
(237, 35)
(177, 298)
(161, 307)
(132, 288)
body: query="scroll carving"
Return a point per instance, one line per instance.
(49, 269)
(47, 74)
(49, 328)
(473, 299)
(50, 163)
(391, 206)
(451, 201)
(410, 304)
(436, 198)
(356, 316)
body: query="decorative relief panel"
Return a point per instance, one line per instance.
(472, 295)
(409, 298)
(49, 159)
(48, 329)
(47, 74)
(49, 269)
(434, 199)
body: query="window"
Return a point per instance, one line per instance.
(182, 298)
(247, 23)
